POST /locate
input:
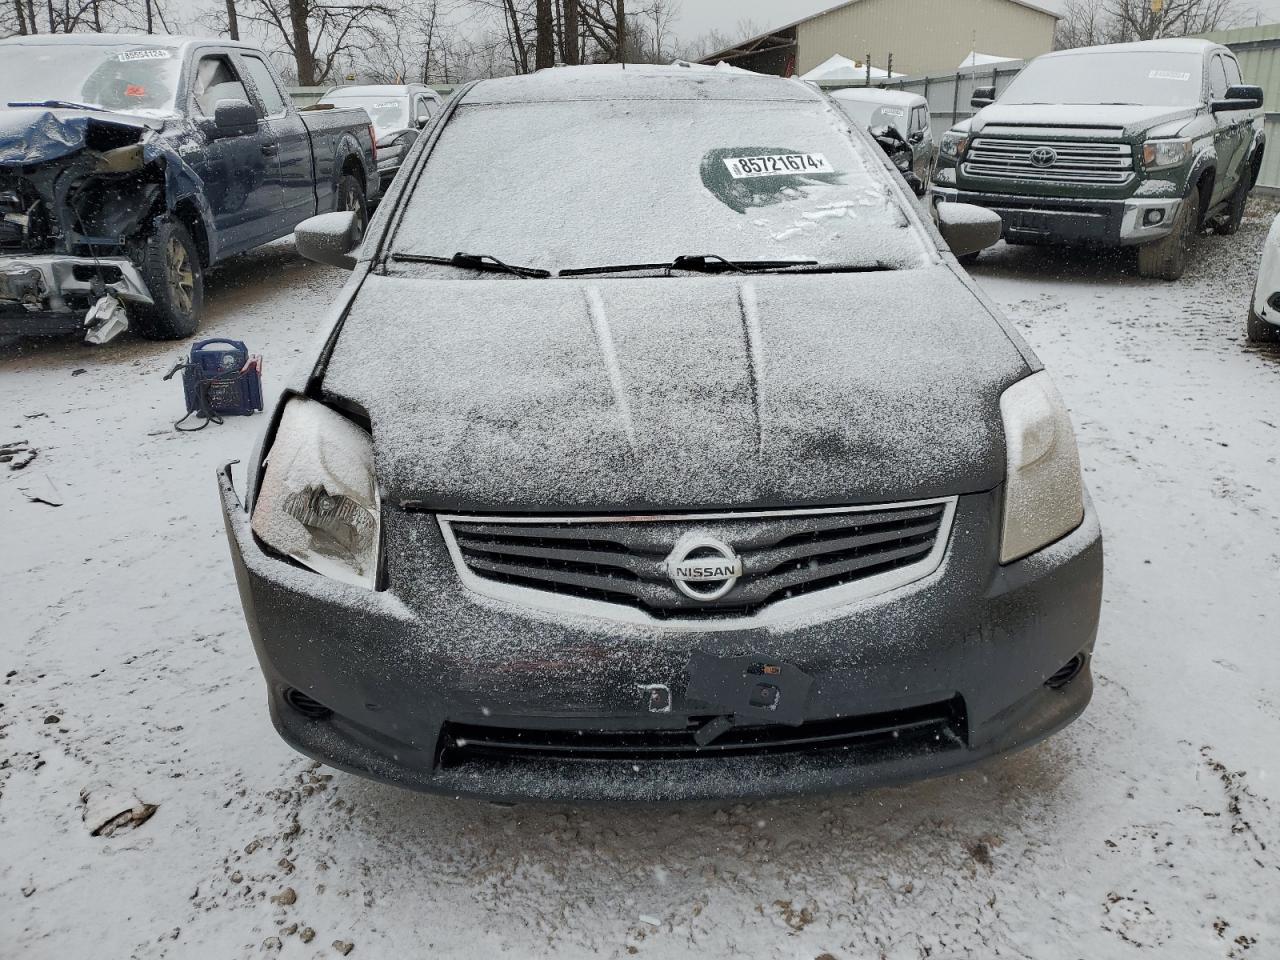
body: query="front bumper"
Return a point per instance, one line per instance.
(35, 290)
(1029, 219)
(926, 679)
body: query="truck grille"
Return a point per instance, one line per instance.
(829, 556)
(1053, 161)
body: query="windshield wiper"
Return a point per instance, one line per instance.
(63, 104)
(715, 264)
(699, 263)
(474, 261)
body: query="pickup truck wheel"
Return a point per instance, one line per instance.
(351, 199)
(1259, 331)
(1166, 259)
(1229, 223)
(969, 259)
(170, 265)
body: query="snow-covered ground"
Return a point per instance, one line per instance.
(1151, 827)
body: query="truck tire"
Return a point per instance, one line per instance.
(351, 198)
(1229, 222)
(170, 265)
(969, 259)
(1166, 259)
(1259, 331)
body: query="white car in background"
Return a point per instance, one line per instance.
(906, 113)
(1264, 311)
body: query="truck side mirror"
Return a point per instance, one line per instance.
(1243, 96)
(234, 118)
(982, 97)
(968, 228)
(331, 238)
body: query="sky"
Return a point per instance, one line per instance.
(699, 16)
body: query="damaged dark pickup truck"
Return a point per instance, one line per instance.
(131, 164)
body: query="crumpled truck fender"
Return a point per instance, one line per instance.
(348, 146)
(182, 183)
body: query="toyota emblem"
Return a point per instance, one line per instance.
(702, 567)
(1044, 156)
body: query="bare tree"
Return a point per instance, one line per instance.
(545, 55)
(1090, 22)
(320, 35)
(570, 29)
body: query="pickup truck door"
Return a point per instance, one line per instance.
(241, 173)
(1227, 135)
(297, 176)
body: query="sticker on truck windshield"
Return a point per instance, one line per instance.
(779, 165)
(1168, 75)
(156, 53)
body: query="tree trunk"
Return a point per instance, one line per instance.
(150, 23)
(519, 50)
(572, 55)
(622, 31)
(233, 24)
(545, 55)
(302, 43)
(22, 17)
(53, 28)
(32, 26)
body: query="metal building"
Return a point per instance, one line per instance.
(924, 36)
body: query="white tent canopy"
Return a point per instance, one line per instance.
(842, 68)
(976, 59)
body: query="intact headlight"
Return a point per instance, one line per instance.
(318, 501)
(953, 145)
(1158, 154)
(1044, 492)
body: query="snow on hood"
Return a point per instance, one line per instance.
(36, 134)
(1123, 119)
(705, 392)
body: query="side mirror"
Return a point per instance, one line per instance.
(331, 238)
(1240, 97)
(982, 97)
(968, 228)
(422, 122)
(916, 138)
(234, 118)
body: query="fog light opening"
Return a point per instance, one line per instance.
(310, 708)
(1153, 218)
(1066, 673)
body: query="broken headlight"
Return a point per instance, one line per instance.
(1043, 492)
(318, 501)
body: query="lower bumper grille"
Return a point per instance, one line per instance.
(934, 726)
(841, 553)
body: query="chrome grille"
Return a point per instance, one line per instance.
(1074, 161)
(613, 566)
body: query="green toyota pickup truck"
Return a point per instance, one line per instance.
(1132, 144)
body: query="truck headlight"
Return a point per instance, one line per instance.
(318, 501)
(1159, 154)
(953, 145)
(1043, 491)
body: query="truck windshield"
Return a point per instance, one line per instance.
(387, 113)
(132, 77)
(564, 185)
(1148, 79)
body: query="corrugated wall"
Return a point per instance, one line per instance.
(1258, 50)
(925, 36)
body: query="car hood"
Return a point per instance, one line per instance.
(31, 135)
(694, 393)
(1121, 119)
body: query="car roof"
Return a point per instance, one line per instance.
(681, 81)
(172, 41)
(1182, 45)
(379, 90)
(895, 98)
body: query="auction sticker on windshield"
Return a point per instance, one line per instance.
(155, 54)
(1168, 75)
(743, 168)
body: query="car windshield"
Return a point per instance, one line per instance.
(387, 112)
(132, 77)
(581, 184)
(869, 116)
(1148, 79)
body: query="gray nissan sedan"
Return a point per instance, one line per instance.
(658, 448)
